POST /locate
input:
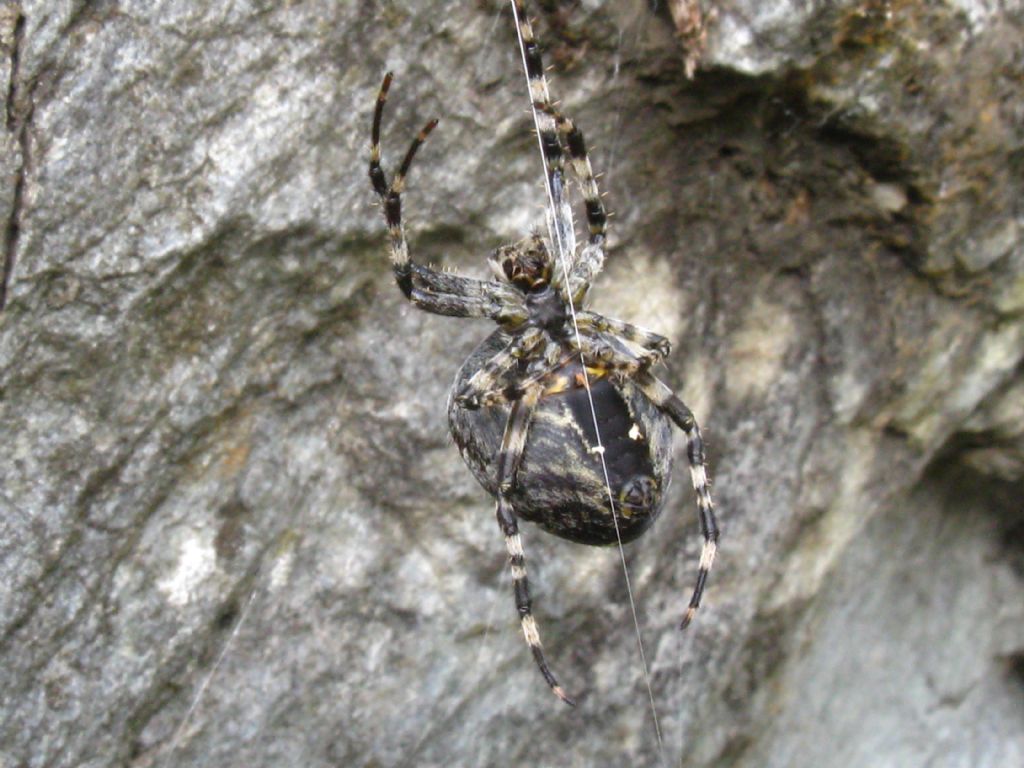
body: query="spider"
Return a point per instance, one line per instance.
(520, 408)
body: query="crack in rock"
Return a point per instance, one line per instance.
(17, 123)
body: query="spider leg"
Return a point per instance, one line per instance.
(597, 217)
(390, 194)
(634, 334)
(608, 354)
(456, 296)
(509, 458)
(591, 259)
(666, 400)
(562, 223)
(551, 358)
(488, 380)
(429, 289)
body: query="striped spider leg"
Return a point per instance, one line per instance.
(552, 126)
(665, 399)
(513, 446)
(429, 289)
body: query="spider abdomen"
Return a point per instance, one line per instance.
(560, 484)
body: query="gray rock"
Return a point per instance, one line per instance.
(233, 530)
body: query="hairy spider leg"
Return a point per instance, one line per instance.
(663, 397)
(608, 353)
(491, 375)
(391, 194)
(457, 296)
(590, 260)
(634, 334)
(550, 144)
(579, 160)
(509, 458)
(552, 358)
(426, 288)
(551, 122)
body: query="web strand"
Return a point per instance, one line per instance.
(208, 678)
(556, 238)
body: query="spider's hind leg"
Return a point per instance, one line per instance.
(487, 386)
(509, 458)
(491, 386)
(634, 334)
(676, 409)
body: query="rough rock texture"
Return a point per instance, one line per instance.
(224, 442)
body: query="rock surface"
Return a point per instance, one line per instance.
(233, 531)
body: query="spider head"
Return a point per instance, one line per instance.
(527, 264)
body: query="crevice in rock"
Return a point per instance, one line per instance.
(1015, 668)
(88, 10)
(17, 118)
(12, 89)
(1012, 548)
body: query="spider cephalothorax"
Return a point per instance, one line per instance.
(526, 406)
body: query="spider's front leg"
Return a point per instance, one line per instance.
(663, 397)
(509, 458)
(554, 127)
(429, 289)
(590, 260)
